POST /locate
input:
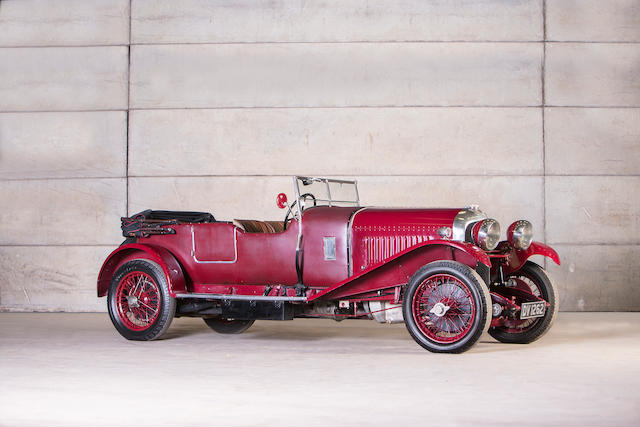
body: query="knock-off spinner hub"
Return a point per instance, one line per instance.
(439, 309)
(133, 301)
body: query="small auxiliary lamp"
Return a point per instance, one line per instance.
(281, 200)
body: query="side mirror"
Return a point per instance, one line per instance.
(281, 200)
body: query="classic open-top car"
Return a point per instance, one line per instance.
(443, 272)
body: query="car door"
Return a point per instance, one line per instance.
(214, 243)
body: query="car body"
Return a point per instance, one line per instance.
(443, 272)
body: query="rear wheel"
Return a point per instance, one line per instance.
(445, 307)
(228, 326)
(534, 279)
(139, 303)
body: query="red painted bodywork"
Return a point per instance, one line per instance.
(376, 253)
(219, 256)
(512, 259)
(172, 270)
(318, 223)
(398, 269)
(379, 234)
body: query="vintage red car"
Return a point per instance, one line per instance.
(443, 272)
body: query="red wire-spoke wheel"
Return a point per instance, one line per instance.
(534, 279)
(138, 300)
(139, 303)
(515, 325)
(445, 307)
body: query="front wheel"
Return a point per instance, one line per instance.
(139, 303)
(445, 307)
(534, 279)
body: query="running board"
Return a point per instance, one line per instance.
(241, 297)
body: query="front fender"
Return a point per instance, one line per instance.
(517, 258)
(170, 266)
(398, 269)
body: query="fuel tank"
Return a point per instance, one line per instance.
(378, 233)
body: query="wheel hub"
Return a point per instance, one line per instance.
(133, 301)
(497, 309)
(439, 309)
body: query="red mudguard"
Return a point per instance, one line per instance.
(398, 269)
(518, 258)
(172, 270)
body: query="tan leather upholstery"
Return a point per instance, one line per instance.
(238, 224)
(278, 226)
(255, 226)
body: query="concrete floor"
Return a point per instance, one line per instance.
(74, 369)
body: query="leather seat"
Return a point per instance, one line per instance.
(255, 226)
(278, 226)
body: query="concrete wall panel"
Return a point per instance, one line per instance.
(393, 141)
(343, 74)
(436, 103)
(591, 141)
(63, 145)
(225, 197)
(593, 20)
(592, 74)
(193, 21)
(503, 198)
(64, 22)
(597, 278)
(62, 212)
(64, 78)
(51, 278)
(590, 210)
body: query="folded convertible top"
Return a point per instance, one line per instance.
(150, 222)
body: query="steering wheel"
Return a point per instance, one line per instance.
(302, 197)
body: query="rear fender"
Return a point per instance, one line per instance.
(517, 258)
(397, 270)
(170, 266)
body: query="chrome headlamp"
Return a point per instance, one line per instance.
(486, 234)
(520, 234)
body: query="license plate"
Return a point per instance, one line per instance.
(530, 310)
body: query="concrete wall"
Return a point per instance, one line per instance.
(107, 107)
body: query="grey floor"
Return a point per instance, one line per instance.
(74, 369)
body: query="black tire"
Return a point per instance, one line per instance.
(462, 322)
(537, 327)
(135, 283)
(228, 326)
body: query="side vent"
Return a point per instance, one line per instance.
(378, 248)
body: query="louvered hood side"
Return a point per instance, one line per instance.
(378, 233)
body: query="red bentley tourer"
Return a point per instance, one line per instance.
(445, 273)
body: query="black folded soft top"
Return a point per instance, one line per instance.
(150, 222)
